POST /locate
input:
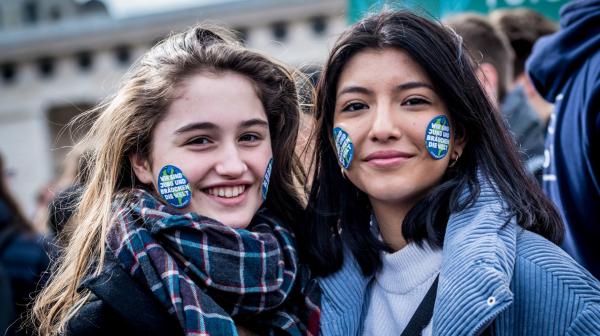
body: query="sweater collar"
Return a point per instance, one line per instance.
(406, 269)
(477, 267)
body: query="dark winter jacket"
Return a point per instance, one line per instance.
(23, 261)
(119, 306)
(565, 69)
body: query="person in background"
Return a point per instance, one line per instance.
(69, 188)
(56, 201)
(523, 27)
(494, 57)
(23, 260)
(421, 217)
(565, 69)
(185, 222)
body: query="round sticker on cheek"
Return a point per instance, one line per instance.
(174, 187)
(344, 147)
(437, 137)
(266, 180)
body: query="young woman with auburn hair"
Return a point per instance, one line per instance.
(184, 224)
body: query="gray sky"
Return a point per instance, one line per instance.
(122, 8)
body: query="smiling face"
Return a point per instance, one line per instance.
(385, 101)
(216, 131)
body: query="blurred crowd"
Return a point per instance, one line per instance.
(514, 51)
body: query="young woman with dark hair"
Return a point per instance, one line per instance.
(421, 217)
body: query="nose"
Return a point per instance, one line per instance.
(231, 164)
(384, 126)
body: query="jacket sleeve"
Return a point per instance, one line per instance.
(343, 298)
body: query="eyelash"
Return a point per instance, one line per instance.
(416, 101)
(204, 141)
(194, 141)
(256, 137)
(413, 101)
(354, 106)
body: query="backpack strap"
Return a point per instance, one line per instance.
(424, 312)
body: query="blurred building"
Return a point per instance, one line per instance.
(61, 57)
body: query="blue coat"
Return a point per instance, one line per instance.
(494, 274)
(565, 69)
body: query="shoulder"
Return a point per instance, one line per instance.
(97, 318)
(545, 255)
(563, 290)
(586, 83)
(118, 304)
(537, 254)
(343, 295)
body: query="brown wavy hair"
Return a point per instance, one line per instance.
(124, 125)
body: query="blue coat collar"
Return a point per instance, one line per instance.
(477, 267)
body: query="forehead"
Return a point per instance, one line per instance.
(221, 98)
(381, 66)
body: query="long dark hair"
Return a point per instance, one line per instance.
(338, 211)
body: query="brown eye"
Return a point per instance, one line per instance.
(415, 101)
(250, 137)
(354, 107)
(198, 141)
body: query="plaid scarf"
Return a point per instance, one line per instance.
(206, 273)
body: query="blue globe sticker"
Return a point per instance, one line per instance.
(344, 147)
(266, 180)
(174, 187)
(437, 137)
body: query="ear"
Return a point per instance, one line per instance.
(488, 76)
(141, 168)
(459, 144)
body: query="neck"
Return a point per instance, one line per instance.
(390, 217)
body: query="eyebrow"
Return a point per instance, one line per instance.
(196, 126)
(255, 122)
(355, 89)
(401, 87)
(211, 126)
(413, 85)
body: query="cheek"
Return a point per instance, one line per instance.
(348, 138)
(344, 147)
(437, 137)
(354, 128)
(194, 167)
(174, 187)
(257, 161)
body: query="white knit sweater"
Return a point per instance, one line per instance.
(399, 287)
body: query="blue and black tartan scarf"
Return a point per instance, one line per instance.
(208, 274)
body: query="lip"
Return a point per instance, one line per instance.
(231, 201)
(227, 184)
(387, 158)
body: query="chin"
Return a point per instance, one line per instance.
(235, 220)
(389, 193)
(237, 225)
